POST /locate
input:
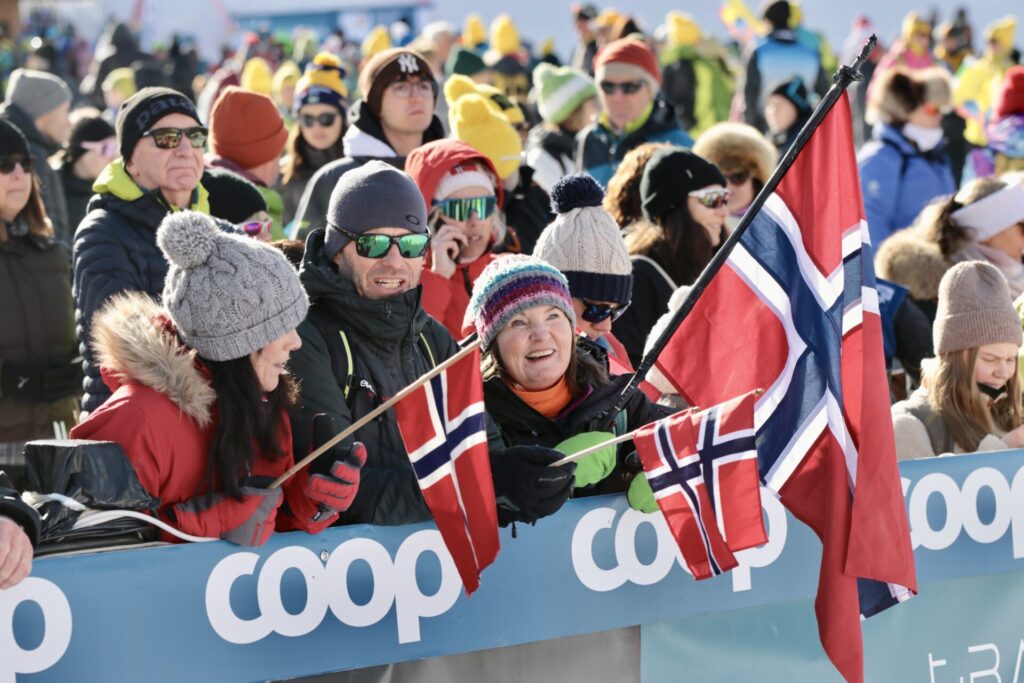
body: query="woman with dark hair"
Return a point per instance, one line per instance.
(40, 378)
(201, 391)
(316, 136)
(686, 204)
(622, 200)
(93, 145)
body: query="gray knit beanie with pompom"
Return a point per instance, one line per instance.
(229, 295)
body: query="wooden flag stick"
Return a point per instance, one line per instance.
(366, 419)
(594, 449)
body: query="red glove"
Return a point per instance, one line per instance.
(335, 491)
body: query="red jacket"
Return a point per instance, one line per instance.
(162, 413)
(428, 163)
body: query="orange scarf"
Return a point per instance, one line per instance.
(547, 402)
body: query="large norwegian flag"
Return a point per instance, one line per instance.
(444, 431)
(702, 467)
(794, 310)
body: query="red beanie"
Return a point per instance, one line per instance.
(629, 51)
(246, 128)
(1011, 97)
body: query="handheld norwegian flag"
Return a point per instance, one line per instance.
(444, 430)
(702, 467)
(789, 303)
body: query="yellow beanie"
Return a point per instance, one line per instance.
(475, 122)
(547, 48)
(257, 76)
(682, 29)
(458, 86)
(377, 40)
(607, 18)
(122, 80)
(287, 74)
(1001, 31)
(914, 23)
(504, 35)
(473, 32)
(322, 83)
(510, 109)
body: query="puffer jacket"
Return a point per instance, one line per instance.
(897, 180)
(115, 251)
(39, 324)
(163, 413)
(52, 189)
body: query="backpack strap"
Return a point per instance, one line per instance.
(338, 347)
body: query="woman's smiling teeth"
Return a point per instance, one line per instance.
(539, 355)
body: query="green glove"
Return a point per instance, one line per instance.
(640, 495)
(595, 466)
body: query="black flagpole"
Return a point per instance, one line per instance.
(840, 82)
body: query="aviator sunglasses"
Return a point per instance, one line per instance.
(595, 313)
(462, 209)
(8, 163)
(378, 246)
(170, 138)
(712, 198)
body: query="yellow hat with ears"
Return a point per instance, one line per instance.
(682, 29)
(475, 122)
(504, 36)
(377, 40)
(1001, 31)
(473, 31)
(257, 76)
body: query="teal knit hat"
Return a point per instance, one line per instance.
(560, 91)
(512, 284)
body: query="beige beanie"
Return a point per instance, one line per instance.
(975, 308)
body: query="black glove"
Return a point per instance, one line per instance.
(525, 487)
(41, 381)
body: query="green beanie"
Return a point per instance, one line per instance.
(464, 62)
(560, 91)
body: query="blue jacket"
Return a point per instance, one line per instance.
(778, 57)
(600, 151)
(897, 180)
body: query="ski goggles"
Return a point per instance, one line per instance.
(595, 313)
(462, 209)
(8, 163)
(326, 119)
(170, 138)
(711, 197)
(378, 246)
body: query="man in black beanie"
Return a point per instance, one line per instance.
(161, 142)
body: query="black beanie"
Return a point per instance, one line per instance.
(140, 111)
(86, 129)
(777, 13)
(795, 91)
(232, 197)
(12, 140)
(670, 175)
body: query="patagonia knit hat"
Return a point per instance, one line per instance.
(1011, 95)
(628, 58)
(323, 83)
(384, 68)
(511, 284)
(375, 195)
(229, 295)
(12, 140)
(585, 243)
(36, 93)
(560, 91)
(246, 127)
(975, 308)
(670, 174)
(464, 62)
(478, 122)
(232, 197)
(143, 109)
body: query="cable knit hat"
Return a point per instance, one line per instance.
(560, 91)
(246, 127)
(228, 295)
(1011, 96)
(480, 124)
(975, 308)
(36, 92)
(585, 243)
(512, 284)
(322, 83)
(628, 57)
(670, 174)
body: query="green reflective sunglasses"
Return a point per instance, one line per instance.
(378, 246)
(462, 209)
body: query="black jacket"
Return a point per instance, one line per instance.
(11, 506)
(363, 126)
(652, 288)
(78, 192)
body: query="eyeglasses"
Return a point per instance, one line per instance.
(737, 178)
(712, 198)
(326, 119)
(106, 148)
(378, 246)
(403, 90)
(253, 228)
(462, 209)
(8, 163)
(595, 313)
(626, 87)
(170, 138)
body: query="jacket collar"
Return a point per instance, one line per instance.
(365, 137)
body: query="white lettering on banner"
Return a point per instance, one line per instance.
(986, 673)
(327, 588)
(628, 566)
(961, 509)
(56, 628)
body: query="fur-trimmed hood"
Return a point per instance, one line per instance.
(132, 342)
(737, 147)
(913, 261)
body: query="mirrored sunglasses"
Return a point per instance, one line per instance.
(626, 88)
(462, 209)
(378, 246)
(325, 119)
(595, 313)
(711, 198)
(170, 138)
(253, 228)
(8, 163)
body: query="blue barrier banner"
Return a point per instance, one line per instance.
(359, 596)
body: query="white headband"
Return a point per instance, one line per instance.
(990, 215)
(461, 177)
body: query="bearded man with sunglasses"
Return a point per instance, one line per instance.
(161, 143)
(367, 336)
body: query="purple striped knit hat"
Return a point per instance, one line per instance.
(511, 284)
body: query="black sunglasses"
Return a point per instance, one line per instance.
(627, 87)
(170, 138)
(595, 313)
(378, 246)
(326, 119)
(8, 163)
